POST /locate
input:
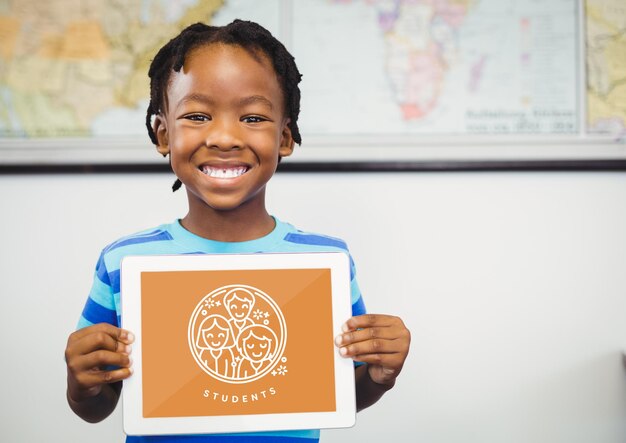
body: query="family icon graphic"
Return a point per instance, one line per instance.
(237, 334)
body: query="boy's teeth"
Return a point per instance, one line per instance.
(224, 172)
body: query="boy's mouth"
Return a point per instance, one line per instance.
(224, 171)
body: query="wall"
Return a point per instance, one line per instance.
(513, 285)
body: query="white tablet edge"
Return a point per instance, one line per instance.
(132, 394)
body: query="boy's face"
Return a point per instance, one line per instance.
(224, 127)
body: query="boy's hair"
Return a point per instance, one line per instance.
(248, 35)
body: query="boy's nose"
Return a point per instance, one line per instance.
(224, 135)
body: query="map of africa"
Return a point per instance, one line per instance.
(78, 68)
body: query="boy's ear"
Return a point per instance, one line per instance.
(286, 141)
(160, 130)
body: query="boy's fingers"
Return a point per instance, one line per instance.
(118, 374)
(98, 340)
(92, 379)
(374, 346)
(369, 327)
(384, 333)
(371, 320)
(95, 360)
(114, 332)
(96, 337)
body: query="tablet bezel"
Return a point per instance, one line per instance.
(132, 393)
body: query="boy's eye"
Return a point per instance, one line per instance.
(253, 119)
(197, 117)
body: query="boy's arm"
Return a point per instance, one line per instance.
(93, 389)
(381, 341)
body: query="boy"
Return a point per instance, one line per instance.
(224, 106)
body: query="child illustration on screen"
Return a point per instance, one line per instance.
(239, 303)
(224, 107)
(257, 346)
(215, 341)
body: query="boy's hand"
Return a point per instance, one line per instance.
(381, 341)
(89, 351)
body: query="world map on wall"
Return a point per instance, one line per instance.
(606, 65)
(78, 68)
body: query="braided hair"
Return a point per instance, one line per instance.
(250, 36)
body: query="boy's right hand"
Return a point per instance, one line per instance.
(89, 352)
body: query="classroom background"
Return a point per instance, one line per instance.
(512, 285)
(511, 279)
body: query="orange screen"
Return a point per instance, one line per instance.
(237, 342)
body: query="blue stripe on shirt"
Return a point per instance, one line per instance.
(96, 313)
(358, 307)
(157, 235)
(101, 271)
(101, 294)
(317, 240)
(115, 278)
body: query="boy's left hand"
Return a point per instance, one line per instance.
(381, 341)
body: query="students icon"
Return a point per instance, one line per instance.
(240, 326)
(257, 346)
(213, 345)
(239, 302)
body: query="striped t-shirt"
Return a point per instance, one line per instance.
(103, 304)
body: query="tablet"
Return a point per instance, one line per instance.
(236, 343)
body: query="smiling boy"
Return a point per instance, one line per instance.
(225, 129)
(224, 107)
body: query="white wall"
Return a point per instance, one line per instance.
(513, 285)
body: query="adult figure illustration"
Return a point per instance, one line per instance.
(214, 345)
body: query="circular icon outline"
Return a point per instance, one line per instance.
(223, 291)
